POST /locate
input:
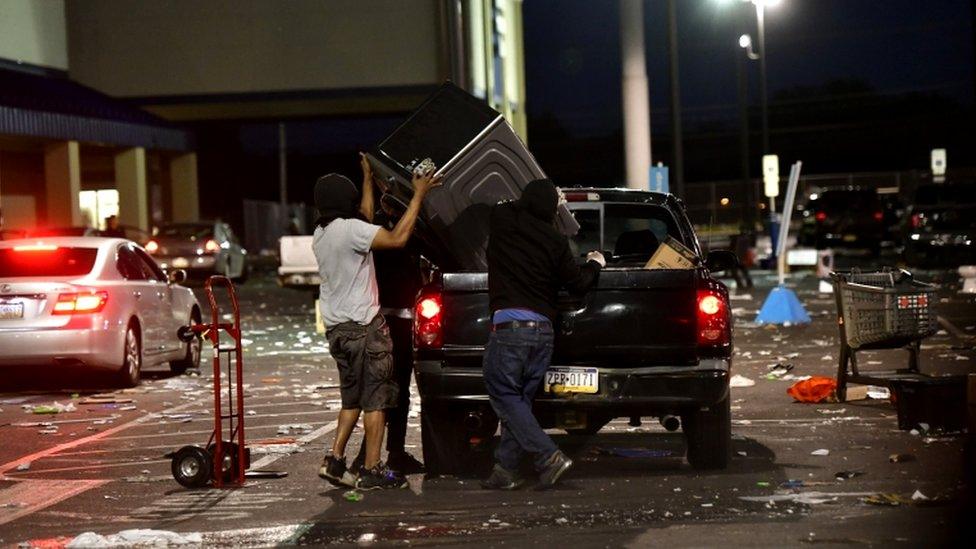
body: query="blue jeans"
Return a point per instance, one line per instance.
(515, 361)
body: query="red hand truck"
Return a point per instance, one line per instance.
(196, 467)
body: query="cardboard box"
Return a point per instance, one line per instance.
(672, 254)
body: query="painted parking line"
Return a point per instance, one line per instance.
(6, 467)
(29, 496)
(205, 432)
(89, 467)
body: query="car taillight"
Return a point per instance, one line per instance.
(916, 221)
(152, 246)
(427, 326)
(79, 303)
(821, 216)
(714, 328)
(878, 216)
(211, 246)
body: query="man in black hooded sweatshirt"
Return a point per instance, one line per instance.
(528, 262)
(359, 338)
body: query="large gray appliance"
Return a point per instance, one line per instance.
(482, 160)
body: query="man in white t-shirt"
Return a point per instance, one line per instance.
(359, 339)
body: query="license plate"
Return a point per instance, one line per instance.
(572, 380)
(181, 262)
(850, 237)
(10, 311)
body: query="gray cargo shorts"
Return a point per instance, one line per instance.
(364, 355)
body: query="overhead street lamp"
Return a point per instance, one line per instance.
(746, 43)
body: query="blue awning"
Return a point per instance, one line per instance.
(54, 107)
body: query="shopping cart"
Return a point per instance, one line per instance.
(194, 466)
(887, 309)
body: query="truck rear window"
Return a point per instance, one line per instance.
(39, 261)
(625, 233)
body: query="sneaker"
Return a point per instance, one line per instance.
(554, 468)
(380, 477)
(405, 463)
(334, 470)
(502, 479)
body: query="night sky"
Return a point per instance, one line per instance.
(895, 46)
(854, 86)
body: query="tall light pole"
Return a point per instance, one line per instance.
(677, 146)
(745, 41)
(636, 105)
(761, 31)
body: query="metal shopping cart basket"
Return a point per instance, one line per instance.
(887, 309)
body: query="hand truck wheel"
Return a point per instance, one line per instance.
(229, 468)
(192, 467)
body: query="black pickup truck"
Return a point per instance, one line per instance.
(647, 343)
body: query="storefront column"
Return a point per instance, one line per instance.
(62, 177)
(183, 186)
(130, 180)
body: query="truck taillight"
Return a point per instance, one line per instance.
(714, 329)
(80, 303)
(427, 326)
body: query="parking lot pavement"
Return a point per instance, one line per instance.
(102, 468)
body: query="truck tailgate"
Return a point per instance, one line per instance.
(632, 318)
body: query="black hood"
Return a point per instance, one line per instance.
(336, 197)
(539, 198)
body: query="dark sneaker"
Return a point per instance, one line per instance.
(334, 470)
(555, 467)
(502, 479)
(380, 477)
(405, 463)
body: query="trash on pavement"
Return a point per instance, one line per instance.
(885, 500)
(300, 427)
(136, 538)
(741, 381)
(820, 452)
(844, 475)
(778, 370)
(353, 496)
(901, 458)
(814, 390)
(919, 496)
(878, 393)
(55, 408)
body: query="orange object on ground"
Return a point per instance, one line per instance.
(814, 390)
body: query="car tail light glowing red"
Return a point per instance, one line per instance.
(79, 303)
(714, 328)
(821, 216)
(428, 327)
(916, 221)
(878, 216)
(211, 246)
(152, 246)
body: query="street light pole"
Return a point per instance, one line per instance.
(677, 145)
(761, 30)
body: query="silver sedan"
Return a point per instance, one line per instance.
(99, 303)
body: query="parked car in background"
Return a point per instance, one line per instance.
(92, 302)
(202, 249)
(298, 269)
(849, 217)
(940, 225)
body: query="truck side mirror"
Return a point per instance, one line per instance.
(721, 260)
